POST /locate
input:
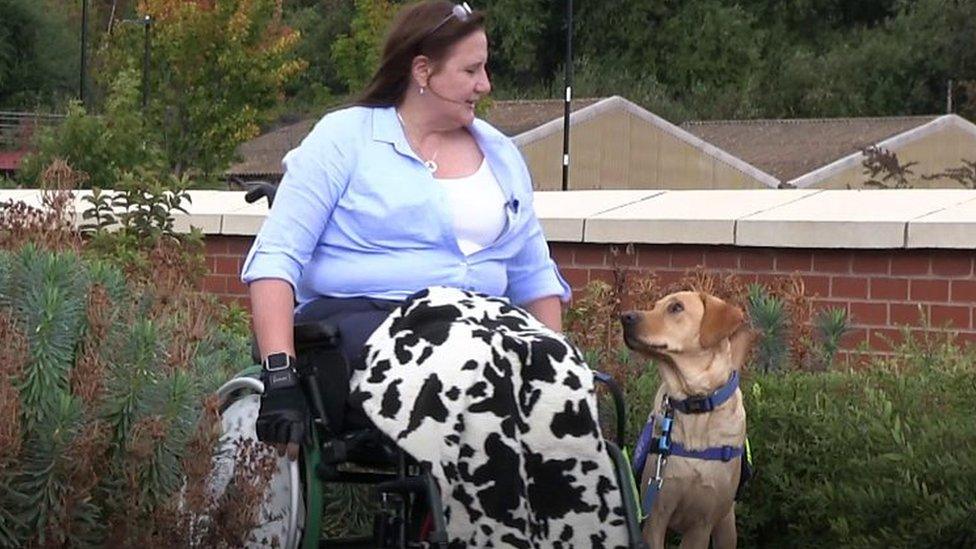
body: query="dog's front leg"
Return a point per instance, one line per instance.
(696, 538)
(655, 529)
(724, 535)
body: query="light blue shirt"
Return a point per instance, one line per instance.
(358, 214)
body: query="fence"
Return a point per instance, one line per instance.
(17, 129)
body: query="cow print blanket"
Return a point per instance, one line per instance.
(503, 411)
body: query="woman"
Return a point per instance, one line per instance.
(404, 191)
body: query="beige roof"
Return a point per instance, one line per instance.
(617, 103)
(788, 149)
(262, 155)
(521, 115)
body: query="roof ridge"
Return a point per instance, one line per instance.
(757, 121)
(547, 100)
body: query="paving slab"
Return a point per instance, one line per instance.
(845, 218)
(686, 217)
(952, 227)
(246, 221)
(562, 214)
(207, 209)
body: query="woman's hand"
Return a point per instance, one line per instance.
(283, 417)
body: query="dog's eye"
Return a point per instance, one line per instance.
(675, 308)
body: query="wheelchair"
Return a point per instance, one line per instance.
(343, 447)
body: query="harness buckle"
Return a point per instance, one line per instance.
(698, 404)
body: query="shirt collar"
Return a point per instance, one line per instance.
(387, 128)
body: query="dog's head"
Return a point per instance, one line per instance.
(687, 330)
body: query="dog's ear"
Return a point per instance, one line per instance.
(741, 342)
(719, 321)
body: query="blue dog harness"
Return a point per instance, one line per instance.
(664, 447)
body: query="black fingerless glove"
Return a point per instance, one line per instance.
(283, 416)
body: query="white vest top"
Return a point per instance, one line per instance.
(479, 208)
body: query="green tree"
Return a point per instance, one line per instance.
(38, 60)
(103, 147)
(218, 71)
(356, 55)
(709, 55)
(320, 23)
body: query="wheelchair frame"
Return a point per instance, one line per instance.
(410, 487)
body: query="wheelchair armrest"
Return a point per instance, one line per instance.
(308, 335)
(316, 334)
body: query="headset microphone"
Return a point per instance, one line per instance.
(449, 100)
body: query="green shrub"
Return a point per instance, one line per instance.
(880, 458)
(102, 147)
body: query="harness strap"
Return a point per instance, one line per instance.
(707, 403)
(643, 447)
(650, 494)
(715, 453)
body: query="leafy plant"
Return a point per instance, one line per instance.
(111, 357)
(831, 326)
(33, 68)
(768, 315)
(965, 174)
(142, 206)
(356, 55)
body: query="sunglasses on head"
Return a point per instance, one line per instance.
(461, 11)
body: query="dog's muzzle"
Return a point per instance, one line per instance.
(630, 321)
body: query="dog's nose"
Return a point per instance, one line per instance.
(629, 318)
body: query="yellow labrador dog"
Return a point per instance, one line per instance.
(700, 343)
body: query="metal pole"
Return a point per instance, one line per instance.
(569, 91)
(949, 97)
(147, 22)
(84, 49)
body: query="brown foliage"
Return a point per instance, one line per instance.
(205, 520)
(879, 161)
(14, 344)
(52, 225)
(173, 267)
(196, 517)
(164, 269)
(592, 321)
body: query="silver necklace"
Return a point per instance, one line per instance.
(431, 164)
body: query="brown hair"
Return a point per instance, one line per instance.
(425, 28)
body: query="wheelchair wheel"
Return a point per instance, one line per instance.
(282, 513)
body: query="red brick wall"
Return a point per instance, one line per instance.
(880, 289)
(225, 255)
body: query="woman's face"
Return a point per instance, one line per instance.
(460, 79)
